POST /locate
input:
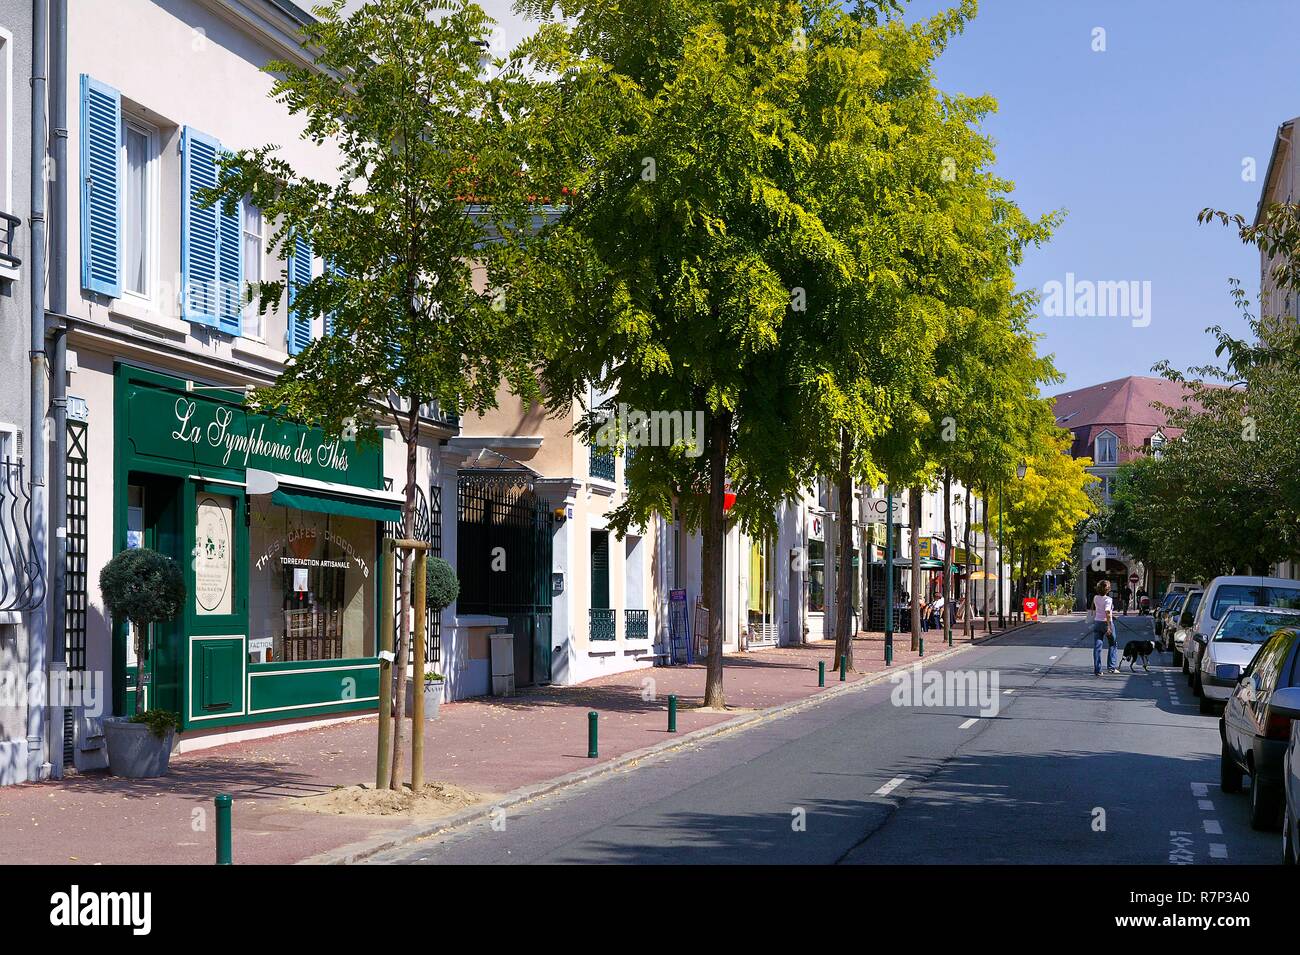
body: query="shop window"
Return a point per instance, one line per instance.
(311, 592)
(816, 576)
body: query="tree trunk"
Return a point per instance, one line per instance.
(402, 649)
(714, 548)
(946, 615)
(984, 506)
(864, 567)
(844, 578)
(914, 527)
(968, 619)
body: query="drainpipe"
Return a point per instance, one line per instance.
(38, 762)
(59, 306)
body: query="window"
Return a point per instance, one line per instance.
(1157, 442)
(816, 576)
(1236, 595)
(1106, 450)
(253, 246)
(139, 178)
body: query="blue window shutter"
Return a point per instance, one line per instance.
(332, 269)
(299, 333)
(200, 229)
(230, 267)
(101, 240)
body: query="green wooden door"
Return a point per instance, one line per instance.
(217, 608)
(599, 570)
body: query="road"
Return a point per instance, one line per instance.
(1071, 769)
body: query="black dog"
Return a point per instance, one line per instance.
(1136, 650)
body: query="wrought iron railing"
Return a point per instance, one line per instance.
(602, 624)
(11, 224)
(22, 579)
(636, 624)
(602, 462)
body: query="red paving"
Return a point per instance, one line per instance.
(488, 745)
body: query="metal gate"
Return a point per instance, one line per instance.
(503, 558)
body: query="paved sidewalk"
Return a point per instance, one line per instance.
(490, 746)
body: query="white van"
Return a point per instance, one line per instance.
(1220, 594)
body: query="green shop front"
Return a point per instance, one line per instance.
(278, 531)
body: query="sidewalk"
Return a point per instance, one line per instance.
(489, 746)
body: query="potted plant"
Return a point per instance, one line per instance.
(441, 587)
(144, 587)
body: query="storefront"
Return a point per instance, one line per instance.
(277, 529)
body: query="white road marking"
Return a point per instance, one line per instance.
(1200, 789)
(1053, 657)
(890, 786)
(1218, 850)
(969, 723)
(1212, 827)
(1007, 692)
(1205, 804)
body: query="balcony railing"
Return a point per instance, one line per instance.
(602, 624)
(636, 624)
(8, 225)
(602, 463)
(22, 578)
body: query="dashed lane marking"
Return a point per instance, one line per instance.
(1212, 827)
(969, 723)
(1218, 850)
(890, 786)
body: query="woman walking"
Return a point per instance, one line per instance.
(1102, 619)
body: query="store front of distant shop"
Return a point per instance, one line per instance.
(277, 529)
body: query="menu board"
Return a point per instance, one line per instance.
(213, 555)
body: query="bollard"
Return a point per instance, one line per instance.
(920, 647)
(672, 713)
(223, 802)
(821, 672)
(592, 750)
(844, 667)
(889, 649)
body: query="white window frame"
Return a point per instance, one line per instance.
(1096, 448)
(251, 324)
(152, 197)
(7, 72)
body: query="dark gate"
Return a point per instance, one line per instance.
(503, 558)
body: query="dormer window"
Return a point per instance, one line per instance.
(1106, 448)
(1157, 441)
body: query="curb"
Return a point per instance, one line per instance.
(360, 851)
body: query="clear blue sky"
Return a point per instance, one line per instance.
(1132, 143)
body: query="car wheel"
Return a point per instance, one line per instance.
(1206, 705)
(1229, 772)
(1264, 807)
(1178, 658)
(1196, 684)
(1288, 838)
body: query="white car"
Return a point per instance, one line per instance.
(1221, 594)
(1233, 645)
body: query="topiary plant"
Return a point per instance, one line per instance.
(441, 584)
(145, 587)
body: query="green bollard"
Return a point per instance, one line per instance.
(592, 749)
(844, 667)
(920, 647)
(889, 649)
(223, 802)
(821, 672)
(672, 713)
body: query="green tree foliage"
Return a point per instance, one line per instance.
(420, 227)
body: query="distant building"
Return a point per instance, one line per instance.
(1111, 423)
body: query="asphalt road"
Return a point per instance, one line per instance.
(1071, 769)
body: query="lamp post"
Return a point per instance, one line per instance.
(1021, 470)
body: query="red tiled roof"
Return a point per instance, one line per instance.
(1125, 407)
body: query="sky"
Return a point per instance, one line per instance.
(1130, 142)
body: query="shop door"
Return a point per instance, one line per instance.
(154, 521)
(504, 545)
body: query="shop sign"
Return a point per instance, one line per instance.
(931, 547)
(876, 510)
(816, 529)
(201, 431)
(213, 554)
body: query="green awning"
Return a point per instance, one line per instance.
(370, 510)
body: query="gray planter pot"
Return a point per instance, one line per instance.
(134, 752)
(432, 698)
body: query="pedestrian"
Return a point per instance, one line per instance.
(1102, 621)
(1124, 596)
(937, 612)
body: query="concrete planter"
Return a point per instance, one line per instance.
(134, 752)
(432, 698)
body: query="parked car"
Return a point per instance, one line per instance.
(1172, 599)
(1223, 593)
(1233, 645)
(1179, 625)
(1286, 702)
(1255, 734)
